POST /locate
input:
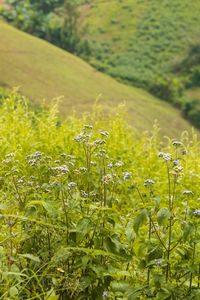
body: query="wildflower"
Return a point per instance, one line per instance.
(32, 162)
(14, 234)
(167, 156)
(183, 222)
(127, 175)
(110, 165)
(188, 192)
(105, 133)
(20, 181)
(83, 169)
(54, 183)
(78, 138)
(179, 168)
(158, 262)
(102, 142)
(9, 155)
(184, 151)
(37, 186)
(57, 161)
(105, 294)
(69, 156)
(176, 162)
(160, 154)
(63, 169)
(88, 127)
(71, 184)
(176, 143)
(107, 178)
(102, 151)
(148, 181)
(197, 212)
(119, 164)
(83, 194)
(60, 270)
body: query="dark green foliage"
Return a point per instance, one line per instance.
(54, 21)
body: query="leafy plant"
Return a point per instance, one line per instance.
(91, 210)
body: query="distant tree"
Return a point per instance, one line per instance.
(41, 18)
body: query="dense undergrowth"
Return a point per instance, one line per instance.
(90, 209)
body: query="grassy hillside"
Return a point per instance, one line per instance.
(136, 39)
(43, 71)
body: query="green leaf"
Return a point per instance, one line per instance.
(130, 233)
(158, 279)
(85, 260)
(30, 256)
(157, 202)
(134, 292)
(83, 227)
(50, 207)
(119, 286)
(109, 245)
(56, 297)
(140, 220)
(85, 282)
(187, 231)
(13, 291)
(163, 215)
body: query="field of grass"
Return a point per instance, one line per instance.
(136, 39)
(42, 71)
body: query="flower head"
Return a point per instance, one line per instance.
(158, 262)
(188, 193)
(127, 175)
(105, 295)
(176, 143)
(176, 162)
(148, 182)
(71, 184)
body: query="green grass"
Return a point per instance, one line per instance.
(136, 39)
(43, 72)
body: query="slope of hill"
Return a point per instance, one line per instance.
(136, 39)
(44, 71)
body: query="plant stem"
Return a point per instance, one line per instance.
(148, 272)
(194, 248)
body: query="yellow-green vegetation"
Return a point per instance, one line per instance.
(44, 71)
(92, 210)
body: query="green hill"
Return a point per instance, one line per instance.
(44, 71)
(136, 39)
